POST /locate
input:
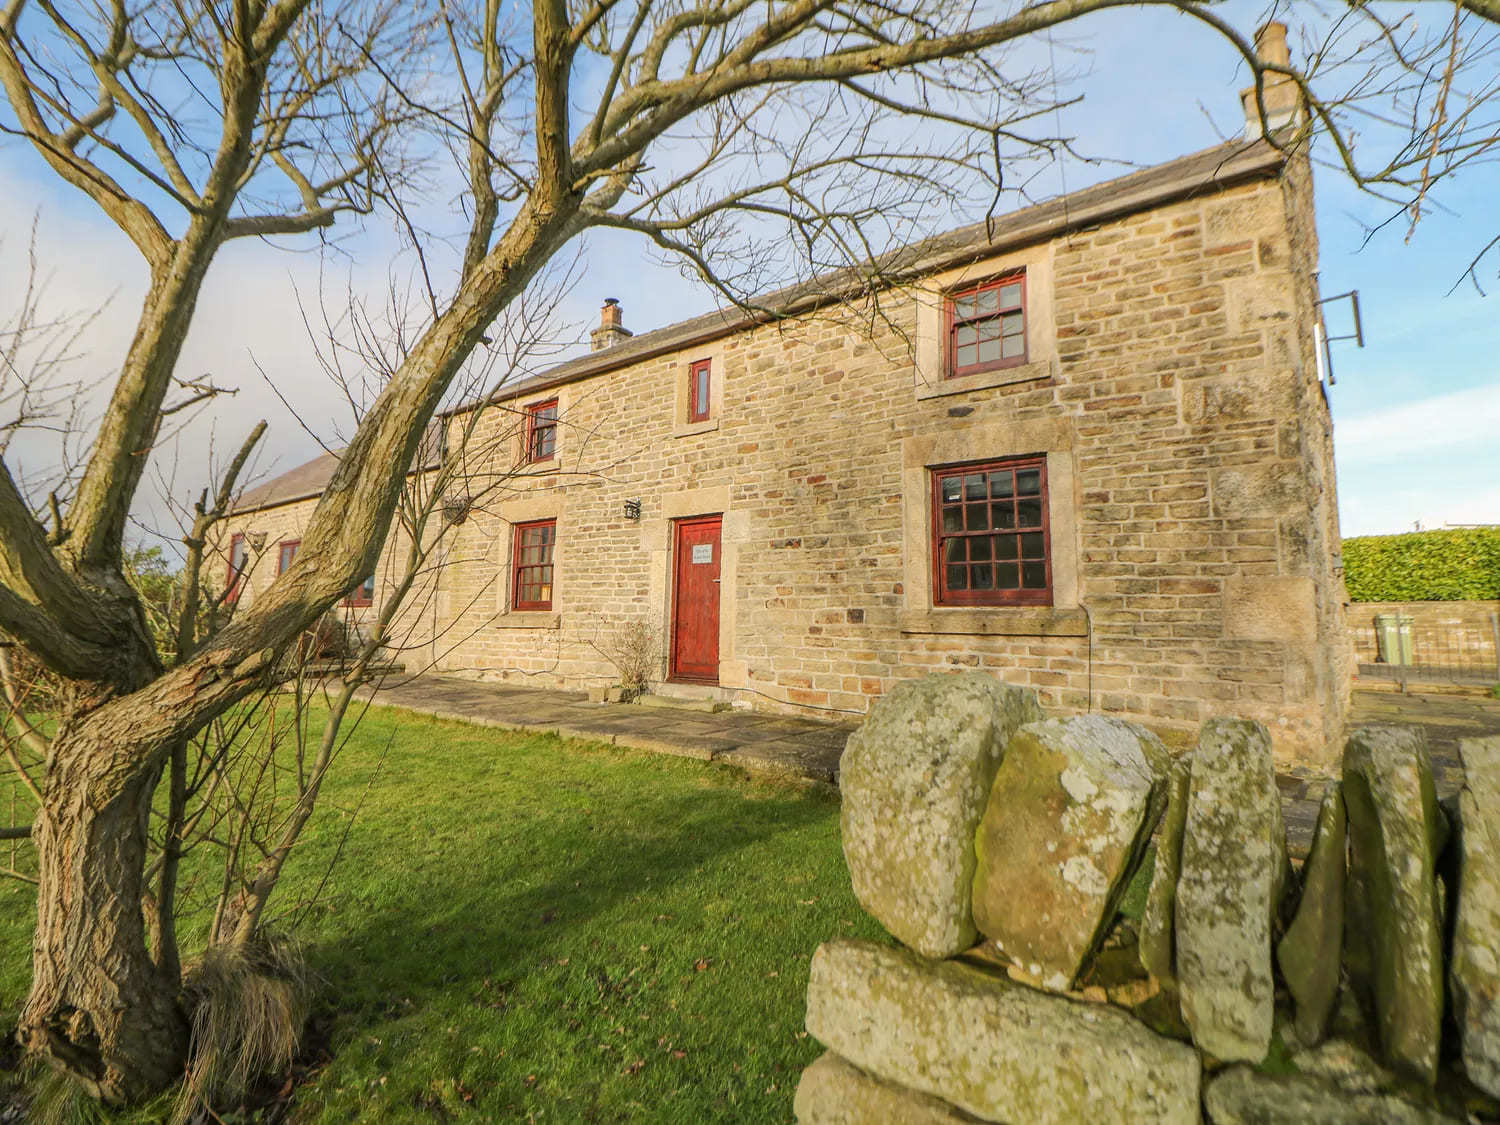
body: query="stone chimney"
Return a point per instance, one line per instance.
(610, 331)
(1280, 95)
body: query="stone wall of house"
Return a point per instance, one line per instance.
(1170, 384)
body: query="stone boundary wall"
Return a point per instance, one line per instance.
(1460, 634)
(1050, 976)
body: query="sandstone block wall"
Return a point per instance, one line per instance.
(1171, 385)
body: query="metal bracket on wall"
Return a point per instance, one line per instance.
(1320, 330)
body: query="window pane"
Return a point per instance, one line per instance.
(1007, 577)
(1014, 324)
(1034, 576)
(1003, 515)
(1012, 347)
(1029, 482)
(979, 548)
(1010, 297)
(988, 301)
(1005, 546)
(963, 307)
(953, 550)
(953, 519)
(974, 486)
(1002, 483)
(958, 577)
(1032, 546)
(1029, 513)
(975, 518)
(967, 357)
(989, 351)
(966, 335)
(983, 577)
(952, 486)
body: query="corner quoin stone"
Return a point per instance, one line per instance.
(1068, 821)
(1395, 833)
(1234, 866)
(998, 1050)
(914, 780)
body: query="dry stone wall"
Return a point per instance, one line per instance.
(1238, 1000)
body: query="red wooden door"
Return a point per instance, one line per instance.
(695, 600)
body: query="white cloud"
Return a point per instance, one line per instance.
(1454, 421)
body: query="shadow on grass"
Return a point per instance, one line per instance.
(446, 935)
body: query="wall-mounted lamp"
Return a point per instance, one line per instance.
(256, 539)
(456, 508)
(632, 509)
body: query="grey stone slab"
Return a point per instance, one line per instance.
(785, 758)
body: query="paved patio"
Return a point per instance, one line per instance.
(800, 748)
(782, 745)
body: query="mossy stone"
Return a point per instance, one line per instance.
(914, 781)
(1311, 951)
(1395, 832)
(1158, 944)
(1069, 818)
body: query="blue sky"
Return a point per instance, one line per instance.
(1417, 411)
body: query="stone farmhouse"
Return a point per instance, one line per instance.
(1084, 447)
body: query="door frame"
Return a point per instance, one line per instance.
(676, 525)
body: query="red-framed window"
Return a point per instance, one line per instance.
(541, 430)
(990, 540)
(531, 585)
(238, 556)
(286, 553)
(987, 326)
(700, 383)
(364, 594)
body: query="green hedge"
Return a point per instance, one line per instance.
(1460, 564)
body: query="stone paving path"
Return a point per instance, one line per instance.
(781, 745)
(792, 747)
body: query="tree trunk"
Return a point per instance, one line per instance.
(100, 1007)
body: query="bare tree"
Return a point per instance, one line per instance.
(698, 125)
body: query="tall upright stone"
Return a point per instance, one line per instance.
(914, 781)
(1234, 865)
(1312, 950)
(1474, 971)
(1068, 820)
(1157, 944)
(1395, 833)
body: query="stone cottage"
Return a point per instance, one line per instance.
(1084, 447)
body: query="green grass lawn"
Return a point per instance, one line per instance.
(526, 928)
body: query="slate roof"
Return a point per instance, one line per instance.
(1199, 173)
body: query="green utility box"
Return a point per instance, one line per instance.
(1393, 638)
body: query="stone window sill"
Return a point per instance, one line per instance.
(999, 621)
(688, 429)
(529, 620)
(1002, 377)
(553, 464)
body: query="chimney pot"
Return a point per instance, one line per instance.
(1279, 93)
(611, 330)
